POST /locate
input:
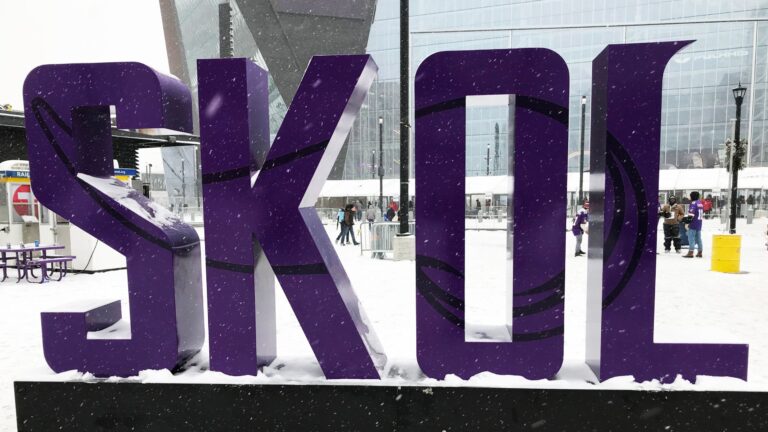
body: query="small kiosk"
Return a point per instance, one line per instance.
(23, 220)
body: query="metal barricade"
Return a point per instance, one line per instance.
(494, 212)
(377, 237)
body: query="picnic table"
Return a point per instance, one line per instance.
(25, 262)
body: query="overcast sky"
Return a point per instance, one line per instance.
(37, 32)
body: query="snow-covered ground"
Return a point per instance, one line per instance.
(693, 305)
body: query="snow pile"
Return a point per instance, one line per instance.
(129, 198)
(693, 305)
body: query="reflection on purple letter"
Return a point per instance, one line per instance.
(234, 134)
(624, 160)
(539, 78)
(70, 157)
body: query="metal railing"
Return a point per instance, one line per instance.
(329, 216)
(492, 212)
(377, 237)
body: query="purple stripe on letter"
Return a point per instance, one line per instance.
(539, 78)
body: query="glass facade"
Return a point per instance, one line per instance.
(198, 30)
(731, 46)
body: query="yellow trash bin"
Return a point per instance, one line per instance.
(726, 253)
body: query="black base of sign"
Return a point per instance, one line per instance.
(49, 406)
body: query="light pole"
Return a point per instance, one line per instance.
(404, 110)
(147, 185)
(738, 95)
(496, 148)
(381, 168)
(581, 154)
(373, 163)
(487, 159)
(183, 188)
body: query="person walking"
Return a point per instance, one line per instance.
(358, 210)
(339, 217)
(707, 206)
(349, 221)
(579, 227)
(390, 213)
(340, 222)
(672, 212)
(370, 216)
(694, 222)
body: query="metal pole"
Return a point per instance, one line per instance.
(149, 181)
(496, 149)
(381, 168)
(183, 188)
(734, 168)
(198, 174)
(373, 163)
(404, 126)
(581, 154)
(487, 159)
(226, 31)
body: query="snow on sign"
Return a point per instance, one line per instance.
(253, 239)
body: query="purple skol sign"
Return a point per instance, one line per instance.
(252, 239)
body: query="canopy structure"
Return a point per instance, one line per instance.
(675, 179)
(361, 188)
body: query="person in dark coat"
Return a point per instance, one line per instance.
(579, 224)
(343, 234)
(390, 213)
(349, 221)
(672, 212)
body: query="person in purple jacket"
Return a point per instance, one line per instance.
(693, 219)
(579, 225)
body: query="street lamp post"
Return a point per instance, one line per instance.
(581, 153)
(183, 188)
(404, 110)
(496, 148)
(738, 95)
(487, 159)
(373, 163)
(381, 168)
(147, 184)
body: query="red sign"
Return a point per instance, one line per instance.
(21, 197)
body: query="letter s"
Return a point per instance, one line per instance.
(70, 155)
